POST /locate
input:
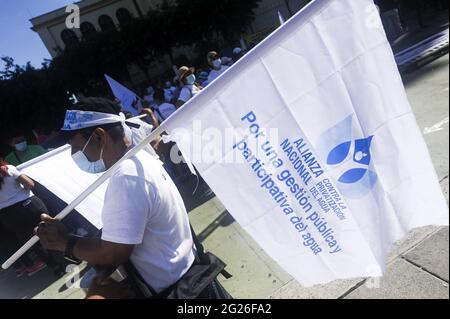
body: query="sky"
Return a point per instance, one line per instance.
(17, 40)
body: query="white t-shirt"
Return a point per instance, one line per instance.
(214, 74)
(12, 192)
(139, 134)
(149, 98)
(188, 92)
(169, 93)
(144, 208)
(166, 110)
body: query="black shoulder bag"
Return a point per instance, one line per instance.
(192, 285)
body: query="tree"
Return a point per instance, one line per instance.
(30, 98)
(37, 98)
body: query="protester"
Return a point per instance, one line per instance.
(238, 53)
(151, 118)
(20, 210)
(187, 83)
(169, 91)
(22, 151)
(203, 77)
(162, 109)
(40, 136)
(144, 218)
(215, 62)
(150, 91)
(137, 104)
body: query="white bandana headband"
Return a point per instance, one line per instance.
(78, 120)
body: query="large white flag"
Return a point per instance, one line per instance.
(59, 174)
(129, 100)
(310, 143)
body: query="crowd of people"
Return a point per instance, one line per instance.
(146, 226)
(167, 95)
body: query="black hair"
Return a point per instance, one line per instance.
(97, 104)
(115, 130)
(17, 133)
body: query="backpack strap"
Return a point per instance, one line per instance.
(144, 290)
(201, 253)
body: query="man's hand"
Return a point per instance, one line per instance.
(53, 233)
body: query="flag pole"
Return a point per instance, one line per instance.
(66, 211)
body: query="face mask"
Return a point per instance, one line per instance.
(85, 165)
(190, 79)
(21, 147)
(217, 63)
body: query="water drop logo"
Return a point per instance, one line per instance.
(349, 158)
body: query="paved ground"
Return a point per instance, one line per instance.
(418, 266)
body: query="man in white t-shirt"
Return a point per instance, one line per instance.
(162, 110)
(144, 217)
(215, 62)
(188, 85)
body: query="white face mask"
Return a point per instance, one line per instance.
(190, 79)
(84, 164)
(217, 63)
(21, 147)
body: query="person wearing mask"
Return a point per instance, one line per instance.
(144, 217)
(215, 62)
(20, 210)
(203, 78)
(189, 87)
(169, 91)
(162, 109)
(149, 92)
(22, 151)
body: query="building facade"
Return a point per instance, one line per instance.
(95, 16)
(99, 15)
(105, 15)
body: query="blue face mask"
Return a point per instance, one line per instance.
(190, 79)
(85, 165)
(21, 147)
(217, 63)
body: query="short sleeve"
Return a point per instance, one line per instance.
(185, 95)
(126, 210)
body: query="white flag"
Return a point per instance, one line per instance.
(60, 175)
(310, 143)
(129, 100)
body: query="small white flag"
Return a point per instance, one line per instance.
(130, 101)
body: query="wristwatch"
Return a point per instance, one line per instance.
(68, 253)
